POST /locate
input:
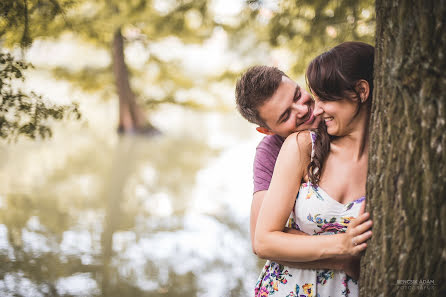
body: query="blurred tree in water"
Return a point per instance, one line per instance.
(112, 206)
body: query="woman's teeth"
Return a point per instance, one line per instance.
(328, 119)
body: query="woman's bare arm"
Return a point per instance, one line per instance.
(337, 263)
(348, 264)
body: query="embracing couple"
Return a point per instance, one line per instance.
(310, 172)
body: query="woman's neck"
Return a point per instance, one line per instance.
(355, 143)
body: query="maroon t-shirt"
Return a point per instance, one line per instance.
(265, 159)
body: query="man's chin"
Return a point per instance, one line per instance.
(311, 126)
(315, 123)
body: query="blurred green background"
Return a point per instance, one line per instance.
(125, 169)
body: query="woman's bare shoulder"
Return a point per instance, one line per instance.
(294, 156)
(298, 142)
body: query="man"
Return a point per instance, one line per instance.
(267, 97)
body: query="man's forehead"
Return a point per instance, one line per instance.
(288, 80)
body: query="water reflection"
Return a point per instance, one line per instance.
(123, 218)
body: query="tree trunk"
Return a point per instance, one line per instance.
(406, 186)
(131, 117)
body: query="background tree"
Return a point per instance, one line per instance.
(406, 183)
(113, 25)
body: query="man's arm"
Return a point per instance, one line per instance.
(257, 200)
(350, 265)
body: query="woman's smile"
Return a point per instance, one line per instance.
(328, 119)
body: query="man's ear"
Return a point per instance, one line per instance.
(363, 89)
(264, 130)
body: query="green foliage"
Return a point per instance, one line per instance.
(89, 79)
(21, 113)
(21, 21)
(309, 27)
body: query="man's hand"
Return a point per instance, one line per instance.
(348, 264)
(351, 266)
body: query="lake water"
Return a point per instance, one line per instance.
(89, 213)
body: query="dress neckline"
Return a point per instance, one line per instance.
(325, 194)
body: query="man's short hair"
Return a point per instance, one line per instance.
(254, 88)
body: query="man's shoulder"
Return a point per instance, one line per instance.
(265, 159)
(271, 142)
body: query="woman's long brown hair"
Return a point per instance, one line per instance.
(333, 76)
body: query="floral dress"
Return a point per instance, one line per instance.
(314, 213)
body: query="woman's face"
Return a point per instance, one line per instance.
(339, 116)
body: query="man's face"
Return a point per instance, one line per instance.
(290, 109)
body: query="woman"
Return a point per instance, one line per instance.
(328, 173)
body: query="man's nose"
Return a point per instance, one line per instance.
(317, 109)
(301, 109)
(305, 98)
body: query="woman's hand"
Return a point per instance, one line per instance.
(354, 239)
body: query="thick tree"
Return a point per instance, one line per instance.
(406, 187)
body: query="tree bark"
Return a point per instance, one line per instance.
(131, 117)
(406, 186)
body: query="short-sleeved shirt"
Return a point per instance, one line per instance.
(264, 161)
